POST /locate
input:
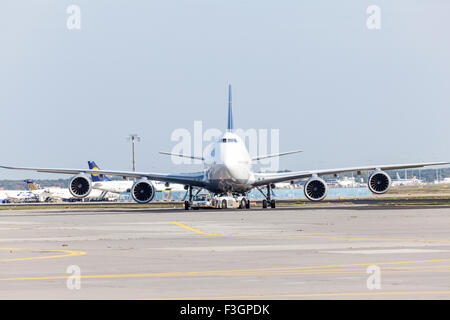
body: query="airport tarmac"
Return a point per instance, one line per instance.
(303, 252)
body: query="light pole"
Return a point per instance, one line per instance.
(133, 137)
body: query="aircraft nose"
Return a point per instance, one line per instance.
(236, 170)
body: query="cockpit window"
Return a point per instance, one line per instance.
(224, 140)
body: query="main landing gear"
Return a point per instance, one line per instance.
(268, 201)
(187, 203)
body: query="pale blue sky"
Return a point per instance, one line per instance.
(344, 94)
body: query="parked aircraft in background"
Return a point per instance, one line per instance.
(16, 195)
(52, 194)
(103, 183)
(48, 194)
(405, 182)
(347, 182)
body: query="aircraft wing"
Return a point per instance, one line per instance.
(193, 179)
(267, 178)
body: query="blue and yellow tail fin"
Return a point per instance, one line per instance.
(31, 185)
(96, 177)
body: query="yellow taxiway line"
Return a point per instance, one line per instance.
(307, 270)
(314, 236)
(65, 253)
(198, 231)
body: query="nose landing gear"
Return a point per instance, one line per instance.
(245, 203)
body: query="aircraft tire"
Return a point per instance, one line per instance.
(264, 204)
(272, 204)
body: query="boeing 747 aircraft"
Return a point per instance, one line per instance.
(229, 171)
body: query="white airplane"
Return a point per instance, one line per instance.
(47, 194)
(405, 182)
(104, 184)
(347, 182)
(34, 193)
(229, 171)
(16, 195)
(50, 194)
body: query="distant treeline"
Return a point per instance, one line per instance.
(427, 175)
(21, 185)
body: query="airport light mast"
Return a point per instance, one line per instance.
(133, 137)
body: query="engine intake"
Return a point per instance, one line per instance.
(379, 182)
(315, 189)
(80, 186)
(143, 191)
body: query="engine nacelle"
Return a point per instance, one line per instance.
(315, 189)
(379, 182)
(142, 191)
(80, 186)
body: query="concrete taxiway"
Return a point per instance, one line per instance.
(303, 252)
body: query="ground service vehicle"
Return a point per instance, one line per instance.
(220, 202)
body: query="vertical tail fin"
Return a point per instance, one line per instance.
(96, 177)
(31, 185)
(230, 110)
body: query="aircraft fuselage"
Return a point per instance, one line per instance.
(229, 166)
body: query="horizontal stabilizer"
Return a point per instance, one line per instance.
(276, 155)
(181, 155)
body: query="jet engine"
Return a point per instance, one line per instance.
(315, 189)
(80, 186)
(143, 191)
(379, 182)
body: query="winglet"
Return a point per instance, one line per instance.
(181, 155)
